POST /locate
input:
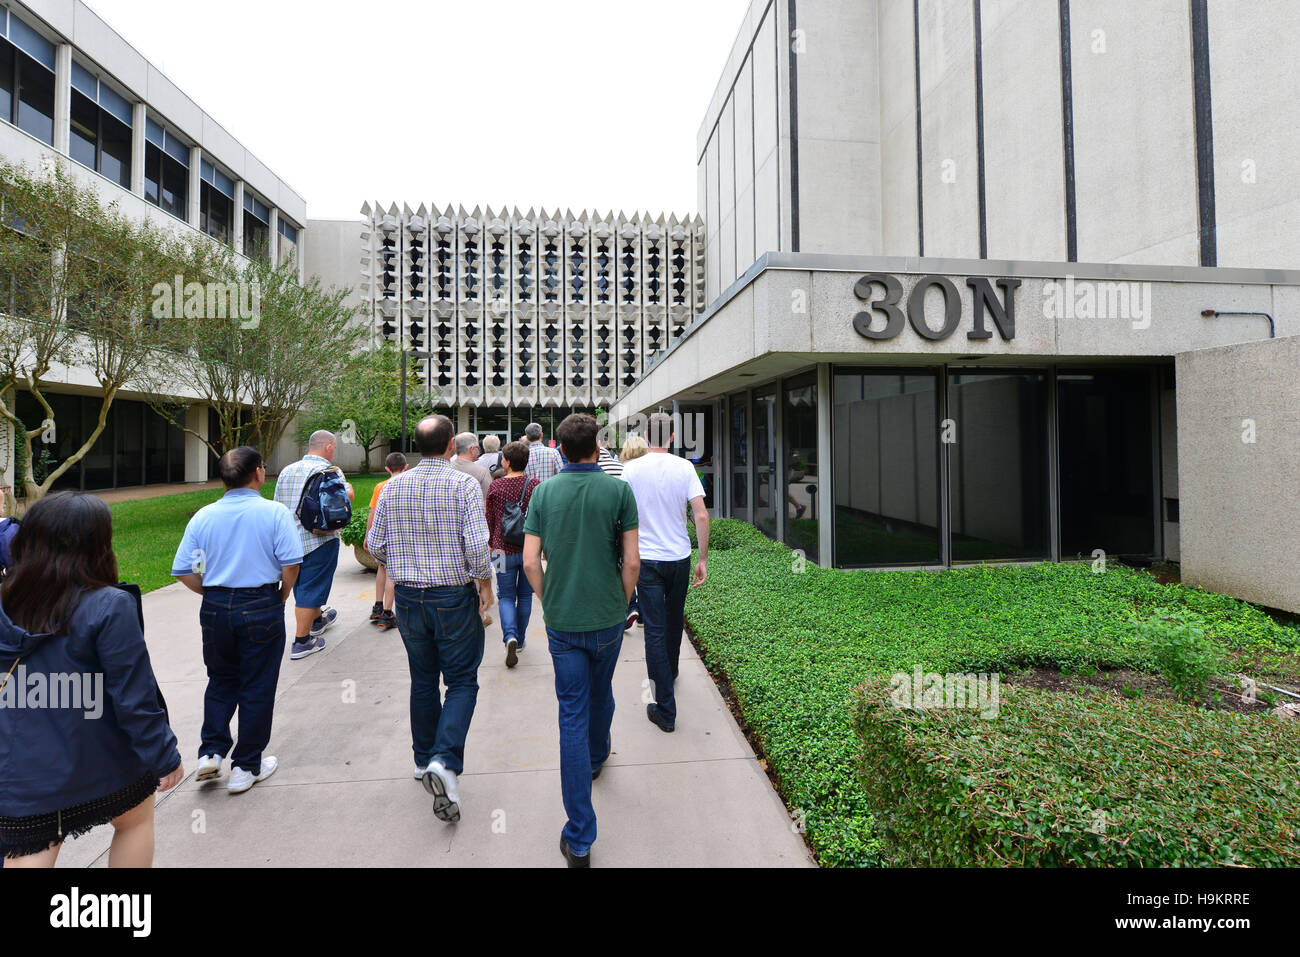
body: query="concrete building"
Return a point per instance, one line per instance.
(961, 259)
(508, 317)
(72, 89)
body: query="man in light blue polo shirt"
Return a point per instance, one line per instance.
(242, 553)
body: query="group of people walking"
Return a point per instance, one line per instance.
(595, 532)
(602, 541)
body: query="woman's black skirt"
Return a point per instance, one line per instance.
(20, 836)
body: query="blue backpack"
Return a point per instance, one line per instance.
(8, 529)
(324, 506)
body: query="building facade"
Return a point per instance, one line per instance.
(72, 91)
(510, 317)
(1003, 280)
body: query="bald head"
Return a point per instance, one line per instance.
(433, 436)
(322, 443)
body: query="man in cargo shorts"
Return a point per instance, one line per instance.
(320, 550)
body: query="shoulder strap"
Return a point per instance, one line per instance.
(11, 671)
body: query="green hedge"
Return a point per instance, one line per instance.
(1087, 779)
(796, 640)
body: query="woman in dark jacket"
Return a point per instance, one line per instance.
(83, 737)
(514, 594)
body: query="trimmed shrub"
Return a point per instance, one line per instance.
(1086, 779)
(796, 640)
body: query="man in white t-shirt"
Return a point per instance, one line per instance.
(664, 485)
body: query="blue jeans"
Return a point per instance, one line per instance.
(514, 598)
(443, 635)
(243, 642)
(661, 592)
(584, 675)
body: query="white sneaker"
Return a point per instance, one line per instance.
(241, 780)
(441, 783)
(209, 768)
(419, 773)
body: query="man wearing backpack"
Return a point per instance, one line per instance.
(320, 548)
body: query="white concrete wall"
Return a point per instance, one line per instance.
(740, 152)
(1239, 457)
(1135, 187)
(1256, 118)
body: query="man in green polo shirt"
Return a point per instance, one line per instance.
(582, 519)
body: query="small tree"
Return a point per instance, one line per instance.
(258, 372)
(79, 276)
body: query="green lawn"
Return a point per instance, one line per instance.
(147, 532)
(795, 645)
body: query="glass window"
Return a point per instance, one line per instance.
(100, 141)
(257, 229)
(885, 436)
(99, 460)
(739, 481)
(35, 99)
(156, 435)
(215, 212)
(176, 447)
(765, 498)
(84, 143)
(998, 464)
(799, 431)
(6, 82)
(67, 420)
(130, 442)
(1107, 480)
(32, 43)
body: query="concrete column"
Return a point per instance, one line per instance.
(139, 115)
(237, 227)
(196, 186)
(63, 98)
(196, 452)
(462, 419)
(275, 237)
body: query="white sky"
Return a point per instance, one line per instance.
(578, 104)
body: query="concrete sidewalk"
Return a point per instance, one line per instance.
(344, 795)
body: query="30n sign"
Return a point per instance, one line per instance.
(886, 314)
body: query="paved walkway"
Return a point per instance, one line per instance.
(344, 795)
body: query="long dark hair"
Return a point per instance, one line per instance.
(64, 546)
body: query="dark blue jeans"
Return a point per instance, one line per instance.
(514, 598)
(443, 635)
(243, 642)
(661, 592)
(584, 675)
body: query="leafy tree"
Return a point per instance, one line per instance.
(365, 402)
(257, 372)
(79, 277)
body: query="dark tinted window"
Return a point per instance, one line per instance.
(35, 99)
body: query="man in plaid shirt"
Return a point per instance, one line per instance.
(430, 532)
(543, 462)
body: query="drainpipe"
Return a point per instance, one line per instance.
(1215, 313)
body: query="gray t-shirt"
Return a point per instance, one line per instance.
(480, 474)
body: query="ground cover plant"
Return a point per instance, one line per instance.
(795, 641)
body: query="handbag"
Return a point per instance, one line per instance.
(513, 517)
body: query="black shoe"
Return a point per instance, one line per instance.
(377, 611)
(596, 773)
(652, 712)
(386, 620)
(573, 859)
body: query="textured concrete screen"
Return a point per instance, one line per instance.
(1239, 470)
